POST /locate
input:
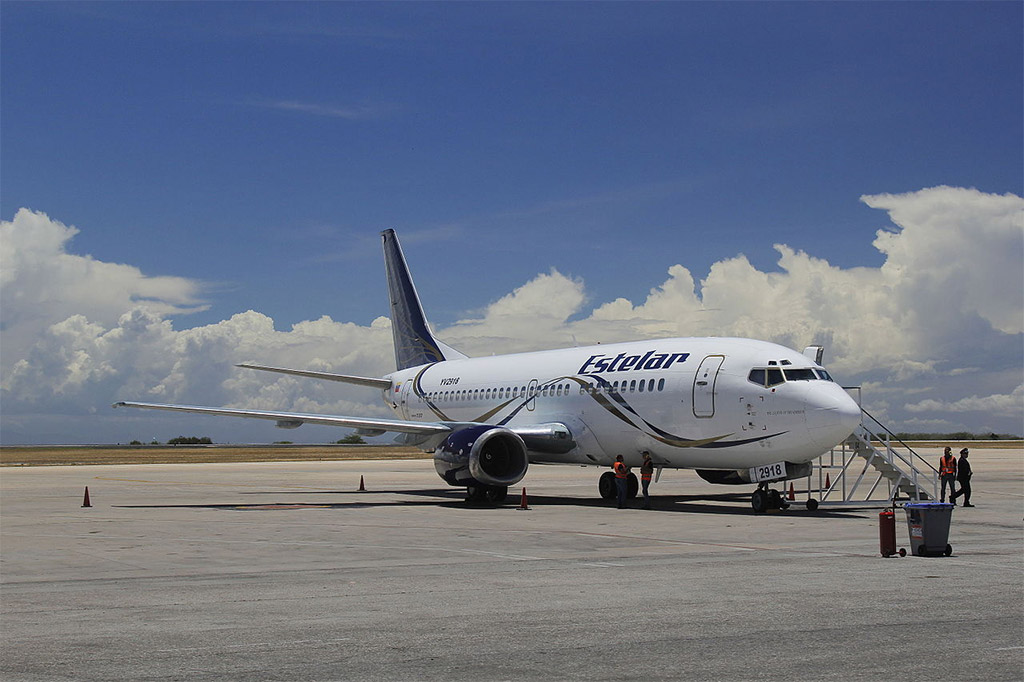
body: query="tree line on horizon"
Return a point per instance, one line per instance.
(351, 439)
(958, 435)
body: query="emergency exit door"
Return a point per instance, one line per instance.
(704, 386)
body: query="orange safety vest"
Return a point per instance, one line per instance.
(646, 475)
(947, 465)
(620, 470)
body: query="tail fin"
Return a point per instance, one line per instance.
(414, 343)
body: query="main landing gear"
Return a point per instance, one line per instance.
(486, 494)
(606, 486)
(765, 498)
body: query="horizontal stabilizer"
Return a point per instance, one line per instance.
(381, 384)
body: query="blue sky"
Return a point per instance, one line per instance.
(255, 150)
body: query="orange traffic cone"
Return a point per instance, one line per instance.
(827, 484)
(792, 494)
(85, 502)
(522, 503)
(362, 488)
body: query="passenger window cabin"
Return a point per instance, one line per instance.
(617, 387)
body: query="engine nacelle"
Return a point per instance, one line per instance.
(481, 455)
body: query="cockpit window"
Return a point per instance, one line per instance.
(773, 376)
(766, 377)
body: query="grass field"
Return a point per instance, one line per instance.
(192, 454)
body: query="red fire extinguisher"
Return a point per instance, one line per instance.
(887, 533)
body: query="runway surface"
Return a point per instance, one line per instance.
(283, 571)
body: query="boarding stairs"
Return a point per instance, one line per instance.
(873, 468)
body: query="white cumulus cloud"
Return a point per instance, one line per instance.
(1006, 405)
(934, 335)
(41, 283)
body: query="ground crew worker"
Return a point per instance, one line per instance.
(646, 471)
(620, 480)
(963, 476)
(947, 473)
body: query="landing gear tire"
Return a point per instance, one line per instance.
(776, 501)
(496, 494)
(765, 498)
(606, 485)
(486, 494)
(632, 486)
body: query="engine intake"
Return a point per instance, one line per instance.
(481, 455)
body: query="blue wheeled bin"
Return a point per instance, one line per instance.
(928, 523)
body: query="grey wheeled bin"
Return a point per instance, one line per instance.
(928, 523)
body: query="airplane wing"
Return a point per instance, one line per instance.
(552, 437)
(291, 420)
(346, 378)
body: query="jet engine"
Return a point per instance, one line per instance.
(484, 455)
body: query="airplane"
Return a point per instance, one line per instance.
(738, 411)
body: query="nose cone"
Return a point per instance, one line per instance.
(832, 414)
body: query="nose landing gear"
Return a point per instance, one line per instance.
(765, 498)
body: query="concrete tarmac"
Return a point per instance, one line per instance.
(283, 571)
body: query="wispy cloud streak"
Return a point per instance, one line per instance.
(358, 112)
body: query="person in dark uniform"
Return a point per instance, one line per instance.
(963, 476)
(621, 472)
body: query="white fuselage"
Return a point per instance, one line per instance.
(690, 402)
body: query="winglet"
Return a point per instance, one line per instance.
(415, 345)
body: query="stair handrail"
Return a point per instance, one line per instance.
(918, 478)
(900, 440)
(890, 453)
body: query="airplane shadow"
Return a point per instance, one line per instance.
(440, 498)
(739, 504)
(735, 503)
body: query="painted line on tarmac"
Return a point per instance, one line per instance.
(692, 543)
(220, 485)
(252, 645)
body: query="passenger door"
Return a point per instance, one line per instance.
(704, 386)
(404, 398)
